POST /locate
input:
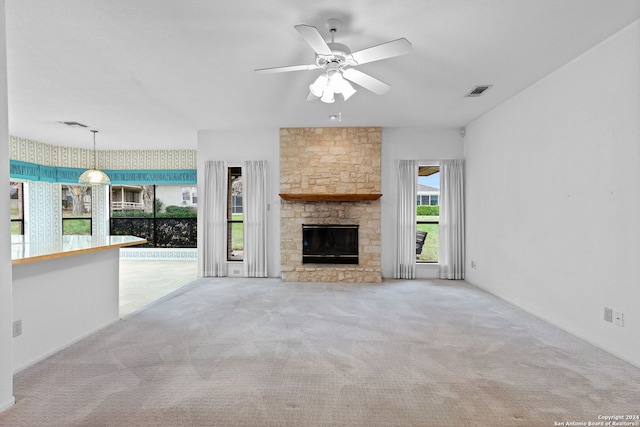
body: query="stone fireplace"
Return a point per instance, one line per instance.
(330, 176)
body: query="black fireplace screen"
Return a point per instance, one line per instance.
(329, 244)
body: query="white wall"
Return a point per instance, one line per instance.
(553, 196)
(406, 144)
(6, 298)
(234, 147)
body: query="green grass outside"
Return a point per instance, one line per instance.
(76, 226)
(237, 233)
(15, 228)
(430, 248)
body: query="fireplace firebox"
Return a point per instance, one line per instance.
(329, 244)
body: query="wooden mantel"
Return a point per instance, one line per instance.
(333, 197)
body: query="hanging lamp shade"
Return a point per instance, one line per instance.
(94, 176)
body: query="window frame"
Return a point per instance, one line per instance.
(429, 196)
(77, 219)
(20, 199)
(233, 172)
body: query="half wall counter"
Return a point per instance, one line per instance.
(23, 251)
(64, 289)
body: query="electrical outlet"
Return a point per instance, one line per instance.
(608, 314)
(236, 271)
(473, 264)
(17, 328)
(618, 318)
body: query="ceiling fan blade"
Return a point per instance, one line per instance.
(382, 51)
(314, 38)
(312, 97)
(286, 69)
(366, 81)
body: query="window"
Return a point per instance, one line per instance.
(158, 213)
(235, 226)
(16, 204)
(428, 199)
(428, 213)
(76, 209)
(190, 196)
(186, 195)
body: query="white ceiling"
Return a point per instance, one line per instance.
(151, 73)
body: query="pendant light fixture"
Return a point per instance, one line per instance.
(94, 176)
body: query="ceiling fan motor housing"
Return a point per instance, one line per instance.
(341, 54)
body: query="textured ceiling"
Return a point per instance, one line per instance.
(151, 73)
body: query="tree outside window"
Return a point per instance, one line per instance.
(76, 209)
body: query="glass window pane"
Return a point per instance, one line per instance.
(174, 201)
(429, 185)
(16, 207)
(131, 201)
(76, 201)
(429, 251)
(236, 241)
(16, 227)
(165, 215)
(235, 227)
(15, 199)
(236, 196)
(76, 226)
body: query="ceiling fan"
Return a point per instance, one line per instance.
(337, 62)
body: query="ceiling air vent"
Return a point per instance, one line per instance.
(478, 90)
(73, 124)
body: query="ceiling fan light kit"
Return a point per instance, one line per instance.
(327, 85)
(337, 62)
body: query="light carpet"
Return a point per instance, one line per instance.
(260, 352)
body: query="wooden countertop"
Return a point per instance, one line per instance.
(23, 252)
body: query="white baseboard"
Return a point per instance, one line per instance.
(8, 404)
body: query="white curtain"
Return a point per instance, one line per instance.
(214, 251)
(407, 177)
(451, 255)
(254, 179)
